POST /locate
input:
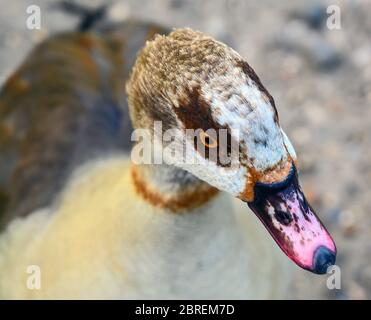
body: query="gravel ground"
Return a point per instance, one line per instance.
(321, 81)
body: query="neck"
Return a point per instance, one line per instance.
(171, 188)
(177, 250)
(181, 248)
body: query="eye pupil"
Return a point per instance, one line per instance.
(208, 140)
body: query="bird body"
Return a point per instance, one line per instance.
(97, 224)
(101, 240)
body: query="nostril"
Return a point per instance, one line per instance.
(322, 259)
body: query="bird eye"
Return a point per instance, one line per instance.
(207, 140)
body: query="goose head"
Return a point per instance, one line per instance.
(189, 82)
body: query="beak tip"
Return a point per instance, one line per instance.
(323, 258)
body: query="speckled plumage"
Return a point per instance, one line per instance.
(189, 80)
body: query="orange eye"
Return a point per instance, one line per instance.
(207, 140)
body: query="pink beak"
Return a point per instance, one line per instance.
(291, 221)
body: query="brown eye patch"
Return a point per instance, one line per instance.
(211, 140)
(195, 112)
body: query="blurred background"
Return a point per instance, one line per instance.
(321, 82)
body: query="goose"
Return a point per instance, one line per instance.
(91, 220)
